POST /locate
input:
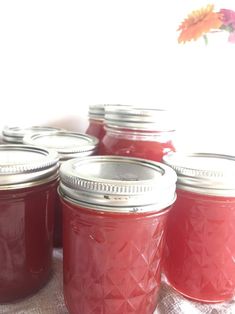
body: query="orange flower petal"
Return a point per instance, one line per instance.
(198, 23)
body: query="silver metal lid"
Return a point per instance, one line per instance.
(15, 134)
(23, 166)
(118, 184)
(67, 144)
(204, 173)
(97, 112)
(139, 118)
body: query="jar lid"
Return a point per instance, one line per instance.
(204, 173)
(23, 166)
(97, 112)
(15, 134)
(139, 118)
(118, 184)
(67, 144)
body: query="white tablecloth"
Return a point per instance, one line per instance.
(49, 300)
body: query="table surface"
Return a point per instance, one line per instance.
(49, 300)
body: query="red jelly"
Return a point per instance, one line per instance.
(115, 211)
(68, 145)
(96, 121)
(200, 246)
(135, 132)
(28, 180)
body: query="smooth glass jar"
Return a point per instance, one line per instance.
(200, 246)
(28, 180)
(15, 134)
(96, 121)
(68, 145)
(114, 212)
(137, 132)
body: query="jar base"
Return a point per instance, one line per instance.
(195, 299)
(20, 298)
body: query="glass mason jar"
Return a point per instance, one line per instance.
(28, 180)
(96, 119)
(137, 132)
(68, 145)
(114, 212)
(15, 134)
(200, 238)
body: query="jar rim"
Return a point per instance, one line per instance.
(24, 165)
(203, 173)
(121, 182)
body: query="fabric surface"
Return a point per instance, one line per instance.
(49, 300)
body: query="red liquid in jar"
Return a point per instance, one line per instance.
(200, 247)
(58, 229)
(146, 149)
(112, 261)
(96, 128)
(26, 234)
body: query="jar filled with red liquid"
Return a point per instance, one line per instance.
(96, 121)
(200, 239)
(137, 132)
(28, 180)
(68, 145)
(114, 215)
(15, 134)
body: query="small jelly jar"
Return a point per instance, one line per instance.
(200, 238)
(137, 132)
(28, 180)
(96, 121)
(68, 145)
(114, 215)
(15, 134)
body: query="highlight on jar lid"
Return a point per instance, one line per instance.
(97, 112)
(24, 166)
(206, 173)
(137, 118)
(67, 144)
(15, 134)
(118, 184)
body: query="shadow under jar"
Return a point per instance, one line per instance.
(28, 180)
(68, 145)
(137, 132)
(114, 215)
(200, 238)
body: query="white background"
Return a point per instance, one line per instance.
(57, 57)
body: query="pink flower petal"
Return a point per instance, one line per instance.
(231, 38)
(228, 17)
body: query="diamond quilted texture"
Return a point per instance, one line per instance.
(118, 271)
(200, 247)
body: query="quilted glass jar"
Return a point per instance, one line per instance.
(114, 212)
(28, 181)
(200, 237)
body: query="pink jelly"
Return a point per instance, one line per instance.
(114, 238)
(136, 132)
(200, 246)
